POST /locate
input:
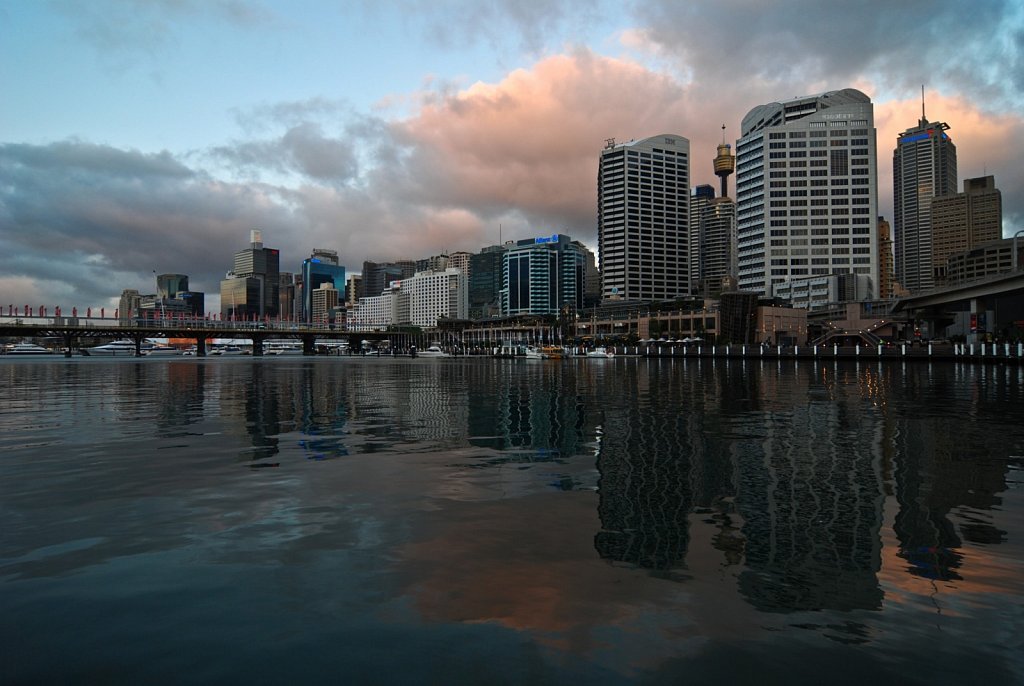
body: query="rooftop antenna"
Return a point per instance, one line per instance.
(723, 133)
(924, 119)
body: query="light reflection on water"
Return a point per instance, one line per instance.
(518, 521)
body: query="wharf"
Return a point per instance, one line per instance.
(982, 353)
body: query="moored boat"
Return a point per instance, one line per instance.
(155, 349)
(432, 351)
(552, 352)
(120, 348)
(27, 348)
(282, 347)
(228, 350)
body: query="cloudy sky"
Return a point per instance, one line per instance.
(152, 135)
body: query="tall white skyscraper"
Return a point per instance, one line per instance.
(643, 192)
(923, 168)
(807, 191)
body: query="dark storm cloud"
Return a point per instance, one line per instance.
(89, 219)
(303, 149)
(971, 47)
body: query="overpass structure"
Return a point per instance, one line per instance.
(991, 306)
(71, 330)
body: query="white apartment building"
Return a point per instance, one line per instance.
(436, 295)
(807, 191)
(374, 313)
(421, 300)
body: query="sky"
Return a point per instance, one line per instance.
(142, 136)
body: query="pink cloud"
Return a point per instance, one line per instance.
(532, 141)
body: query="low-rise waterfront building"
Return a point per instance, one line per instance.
(990, 259)
(821, 291)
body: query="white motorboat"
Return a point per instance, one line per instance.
(282, 347)
(227, 350)
(532, 353)
(432, 351)
(600, 353)
(121, 348)
(155, 349)
(26, 348)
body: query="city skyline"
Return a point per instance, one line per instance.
(155, 136)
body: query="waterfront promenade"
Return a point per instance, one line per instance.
(1012, 353)
(71, 331)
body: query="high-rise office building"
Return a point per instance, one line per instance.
(807, 191)
(643, 193)
(485, 283)
(286, 296)
(128, 305)
(169, 285)
(712, 233)
(324, 300)
(319, 268)
(963, 221)
(924, 167)
(353, 289)
(543, 275)
(591, 277)
(716, 247)
(461, 260)
(886, 268)
(252, 288)
(377, 276)
(700, 199)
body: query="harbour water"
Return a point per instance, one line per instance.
(295, 520)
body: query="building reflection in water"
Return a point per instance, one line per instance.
(783, 470)
(529, 411)
(946, 465)
(646, 467)
(791, 464)
(811, 494)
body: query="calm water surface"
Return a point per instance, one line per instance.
(485, 521)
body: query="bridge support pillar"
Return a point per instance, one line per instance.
(200, 346)
(68, 340)
(308, 344)
(257, 344)
(137, 340)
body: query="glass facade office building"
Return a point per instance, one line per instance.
(316, 272)
(923, 168)
(252, 289)
(543, 275)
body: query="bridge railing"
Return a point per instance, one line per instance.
(84, 323)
